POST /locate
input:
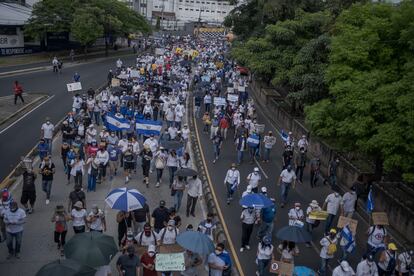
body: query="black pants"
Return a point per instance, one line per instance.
(247, 230)
(313, 178)
(60, 238)
(191, 204)
(18, 96)
(79, 229)
(299, 172)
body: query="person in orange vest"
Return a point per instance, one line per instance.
(18, 91)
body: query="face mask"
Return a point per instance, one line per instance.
(169, 228)
(95, 211)
(48, 122)
(13, 210)
(151, 254)
(336, 194)
(113, 134)
(297, 208)
(147, 233)
(218, 252)
(369, 263)
(233, 169)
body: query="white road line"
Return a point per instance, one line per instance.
(21, 118)
(260, 167)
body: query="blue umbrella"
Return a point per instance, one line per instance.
(125, 199)
(256, 200)
(196, 242)
(303, 271)
(294, 234)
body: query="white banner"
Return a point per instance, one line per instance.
(230, 90)
(233, 97)
(219, 101)
(74, 86)
(242, 88)
(134, 74)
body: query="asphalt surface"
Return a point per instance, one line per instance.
(19, 139)
(270, 174)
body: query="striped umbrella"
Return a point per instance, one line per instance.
(125, 199)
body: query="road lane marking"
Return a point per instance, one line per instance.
(260, 167)
(213, 193)
(21, 118)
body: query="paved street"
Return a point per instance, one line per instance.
(270, 174)
(20, 139)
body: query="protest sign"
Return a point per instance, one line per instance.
(281, 268)
(74, 86)
(242, 88)
(219, 101)
(259, 128)
(115, 82)
(230, 90)
(352, 223)
(134, 74)
(169, 262)
(318, 215)
(233, 97)
(159, 51)
(380, 218)
(170, 248)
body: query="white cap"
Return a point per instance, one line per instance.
(345, 266)
(256, 169)
(264, 190)
(151, 248)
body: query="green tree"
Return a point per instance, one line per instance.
(85, 26)
(371, 103)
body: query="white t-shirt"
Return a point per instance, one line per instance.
(287, 177)
(254, 179)
(103, 270)
(78, 217)
(169, 236)
(97, 224)
(264, 253)
(48, 130)
(295, 215)
(185, 132)
(348, 201)
(145, 241)
(338, 271)
(333, 201)
(214, 259)
(376, 239)
(325, 242)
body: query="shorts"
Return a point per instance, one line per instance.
(28, 196)
(129, 166)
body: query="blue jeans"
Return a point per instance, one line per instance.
(324, 264)
(159, 174)
(230, 192)
(91, 182)
(216, 149)
(261, 266)
(177, 199)
(284, 191)
(172, 171)
(14, 242)
(266, 154)
(97, 115)
(240, 156)
(328, 222)
(47, 187)
(332, 180)
(252, 153)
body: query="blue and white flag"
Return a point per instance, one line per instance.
(148, 127)
(114, 123)
(370, 202)
(253, 140)
(284, 135)
(350, 242)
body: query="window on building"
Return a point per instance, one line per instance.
(197, 10)
(191, 9)
(219, 4)
(186, 9)
(198, 2)
(180, 9)
(208, 3)
(203, 2)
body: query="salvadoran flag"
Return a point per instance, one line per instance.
(284, 135)
(347, 235)
(370, 202)
(148, 127)
(114, 123)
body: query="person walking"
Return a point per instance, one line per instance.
(140, 217)
(177, 191)
(77, 170)
(232, 181)
(405, 264)
(296, 216)
(253, 179)
(328, 250)
(217, 142)
(194, 191)
(264, 255)
(269, 141)
(267, 219)
(348, 202)
(160, 163)
(93, 166)
(47, 130)
(388, 260)
(377, 238)
(311, 223)
(253, 142)
(79, 217)
(315, 165)
(47, 170)
(241, 147)
(55, 63)
(128, 264)
(343, 269)
(18, 92)
(146, 157)
(159, 217)
(14, 218)
(76, 195)
(208, 226)
(332, 205)
(28, 190)
(332, 171)
(148, 261)
(287, 179)
(96, 220)
(248, 218)
(72, 55)
(367, 267)
(219, 261)
(288, 251)
(172, 164)
(60, 219)
(169, 233)
(300, 163)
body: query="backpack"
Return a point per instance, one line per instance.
(163, 234)
(332, 248)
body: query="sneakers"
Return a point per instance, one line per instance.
(30, 210)
(157, 185)
(9, 256)
(241, 249)
(247, 247)
(126, 179)
(214, 161)
(47, 201)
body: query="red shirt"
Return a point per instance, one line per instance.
(18, 89)
(224, 123)
(147, 260)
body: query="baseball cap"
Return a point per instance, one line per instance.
(333, 231)
(392, 246)
(345, 266)
(256, 169)
(162, 203)
(314, 203)
(151, 248)
(264, 190)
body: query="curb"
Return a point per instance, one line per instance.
(21, 110)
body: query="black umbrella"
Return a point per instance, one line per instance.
(294, 234)
(66, 267)
(170, 145)
(186, 172)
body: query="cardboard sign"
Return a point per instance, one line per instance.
(318, 215)
(219, 101)
(352, 223)
(74, 86)
(115, 82)
(380, 218)
(233, 97)
(170, 248)
(169, 262)
(134, 74)
(259, 128)
(242, 88)
(281, 268)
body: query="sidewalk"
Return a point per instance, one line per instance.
(38, 247)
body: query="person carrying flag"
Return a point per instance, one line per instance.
(253, 142)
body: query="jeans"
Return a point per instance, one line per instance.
(177, 199)
(97, 115)
(49, 145)
(18, 96)
(332, 180)
(223, 132)
(230, 191)
(262, 265)
(14, 242)
(216, 149)
(91, 182)
(191, 204)
(284, 191)
(328, 223)
(299, 172)
(324, 264)
(178, 125)
(47, 187)
(239, 156)
(172, 171)
(266, 156)
(207, 107)
(79, 229)
(159, 174)
(247, 230)
(252, 153)
(197, 111)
